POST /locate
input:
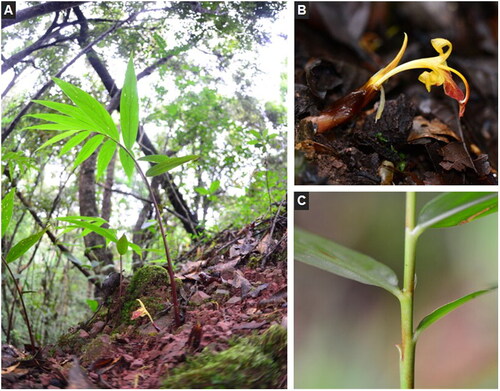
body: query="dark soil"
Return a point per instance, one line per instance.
(233, 293)
(419, 139)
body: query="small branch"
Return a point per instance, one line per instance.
(20, 293)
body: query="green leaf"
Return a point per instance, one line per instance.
(201, 191)
(64, 120)
(74, 141)
(104, 232)
(129, 107)
(71, 111)
(93, 304)
(57, 138)
(21, 247)
(154, 158)
(169, 164)
(56, 127)
(127, 163)
(445, 309)
(214, 186)
(7, 209)
(450, 209)
(88, 149)
(137, 249)
(122, 245)
(334, 258)
(105, 155)
(95, 112)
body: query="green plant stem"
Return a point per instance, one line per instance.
(407, 348)
(170, 269)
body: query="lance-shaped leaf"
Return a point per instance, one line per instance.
(74, 141)
(71, 111)
(446, 309)
(334, 258)
(127, 163)
(57, 138)
(96, 113)
(450, 209)
(104, 232)
(88, 149)
(105, 155)
(129, 107)
(169, 164)
(21, 247)
(7, 209)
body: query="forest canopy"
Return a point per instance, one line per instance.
(204, 89)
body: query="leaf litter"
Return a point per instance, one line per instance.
(227, 293)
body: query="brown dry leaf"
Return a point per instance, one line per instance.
(10, 369)
(423, 128)
(192, 266)
(456, 157)
(266, 242)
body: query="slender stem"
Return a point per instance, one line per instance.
(170, 269)
(32, 338)
(407, 349)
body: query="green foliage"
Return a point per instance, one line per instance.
(20, 248)
(7, 209)
(450, 209)
(122, 245)
(446, 309)
(334, 258)
(93, 304)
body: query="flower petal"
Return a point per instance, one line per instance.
(451, 89)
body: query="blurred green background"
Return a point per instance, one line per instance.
(346, 332)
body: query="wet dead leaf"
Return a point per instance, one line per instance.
(456, 157)
(423, 128)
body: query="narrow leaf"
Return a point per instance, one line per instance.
(57, 138)
(105, 155)
(169, 164)
(154, 158)
(95, 112)
(64, 120)
(71, 111)
(96, 219)
(122, 245)
(74, 141)
(445, 309)
(104, 232)
(127, 163)
(21, 247)
(7, 209)
(88, 149)
(450, 209)
(129, 107)
(57, 127)
(334, 258)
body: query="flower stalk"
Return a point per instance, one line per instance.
(440, 73)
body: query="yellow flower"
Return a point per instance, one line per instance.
(440, 72)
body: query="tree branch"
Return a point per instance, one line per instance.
(39, 10)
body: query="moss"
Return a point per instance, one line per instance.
(253, 362)
(71, 343)
(144, 285)
(146, 280)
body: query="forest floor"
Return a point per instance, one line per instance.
(420, 139)
(233, 293)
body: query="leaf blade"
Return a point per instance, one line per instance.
(20, 248)
(446, 309)
(450, 209)
(334, 258)
(7, 209)
(88, 149)
(169, 164)
(129, 107)
(105, 155)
